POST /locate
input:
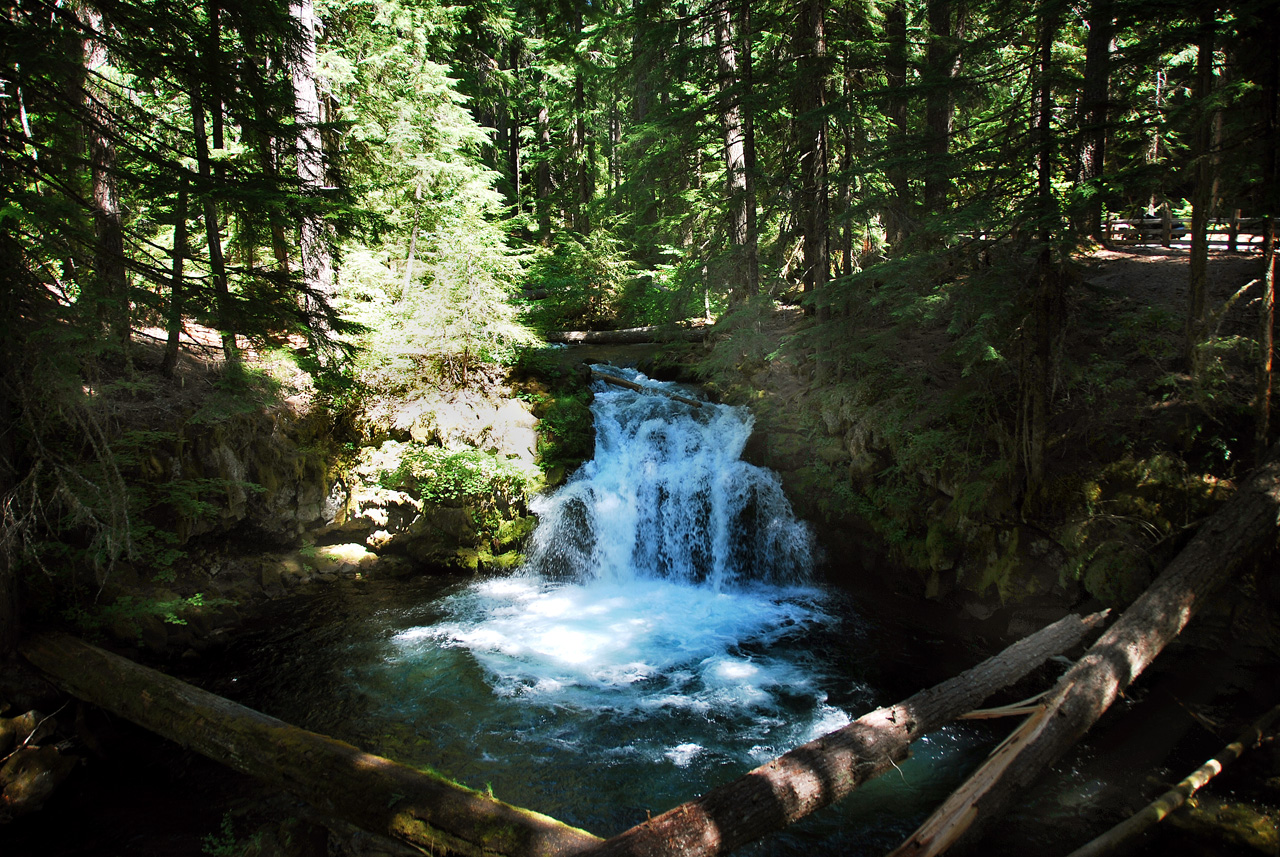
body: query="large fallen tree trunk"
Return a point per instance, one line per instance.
(630, 335)
(825, 770)
(1241, 530)
(375, 794)
(632, 385)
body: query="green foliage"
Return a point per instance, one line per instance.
(585, 279)
(566, 435)
(434, 286)
(128, 612)
(224, 843)
(440, 475)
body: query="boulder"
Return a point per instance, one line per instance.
(30, 776)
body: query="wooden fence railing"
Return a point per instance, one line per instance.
(1231, 233)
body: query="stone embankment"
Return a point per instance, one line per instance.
(437, 481)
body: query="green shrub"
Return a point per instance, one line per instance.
(440, 475)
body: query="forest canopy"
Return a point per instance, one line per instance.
(362, 181)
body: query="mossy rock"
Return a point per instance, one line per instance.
(1237, 824)
(513, 533)
(500, 563)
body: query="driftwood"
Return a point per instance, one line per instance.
(632, 385)
(1158, 809)
(1243, 528)
(376, 794)
(630, 335)
(825, 770)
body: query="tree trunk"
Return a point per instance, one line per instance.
(629, 336)
(826, 769)
(1094, 98)
(1271, 208)
(1048, 300)
(1266, 340)
(943, 59)
(734, 150)
(582, 193)
(10, 585)
(263, 143)
(376, 794)
(110, 294)
(513, 124)
(578, 154)
(1241, 530)
(317, 258)
(213, 235)
(810, 48)
(895, 68)
(751, 254)
(15, 282)
(1201, 194)
(174, 321)
(543, 174)
(632, 385)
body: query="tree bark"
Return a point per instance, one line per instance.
(111, 283)
(1242, 529)
(174, 320)
(735, 159)
(1048, 300)
(513, 125)
(10, 585)
(895, 68)
(751, 253)
(317, 258)
(578, 141)
(825, 770)
(943, 58)
(1271, 206)
(1094, 101)
(810, 49)
(542, 176)
(1201, 195)
(213, 235)
(629, 336)
(376, 794)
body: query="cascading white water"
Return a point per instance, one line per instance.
(668, 497)
(668, 575)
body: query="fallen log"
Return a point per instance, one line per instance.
(1244, 527)
(829, 768)
(1156, 811)
(378, 795)
(630, 335)
(632, 385)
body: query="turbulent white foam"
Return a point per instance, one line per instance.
(665, 585)
(641, 644)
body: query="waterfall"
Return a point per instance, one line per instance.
(667, 496)
(666, 575)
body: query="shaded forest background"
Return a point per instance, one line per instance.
(367, 188)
